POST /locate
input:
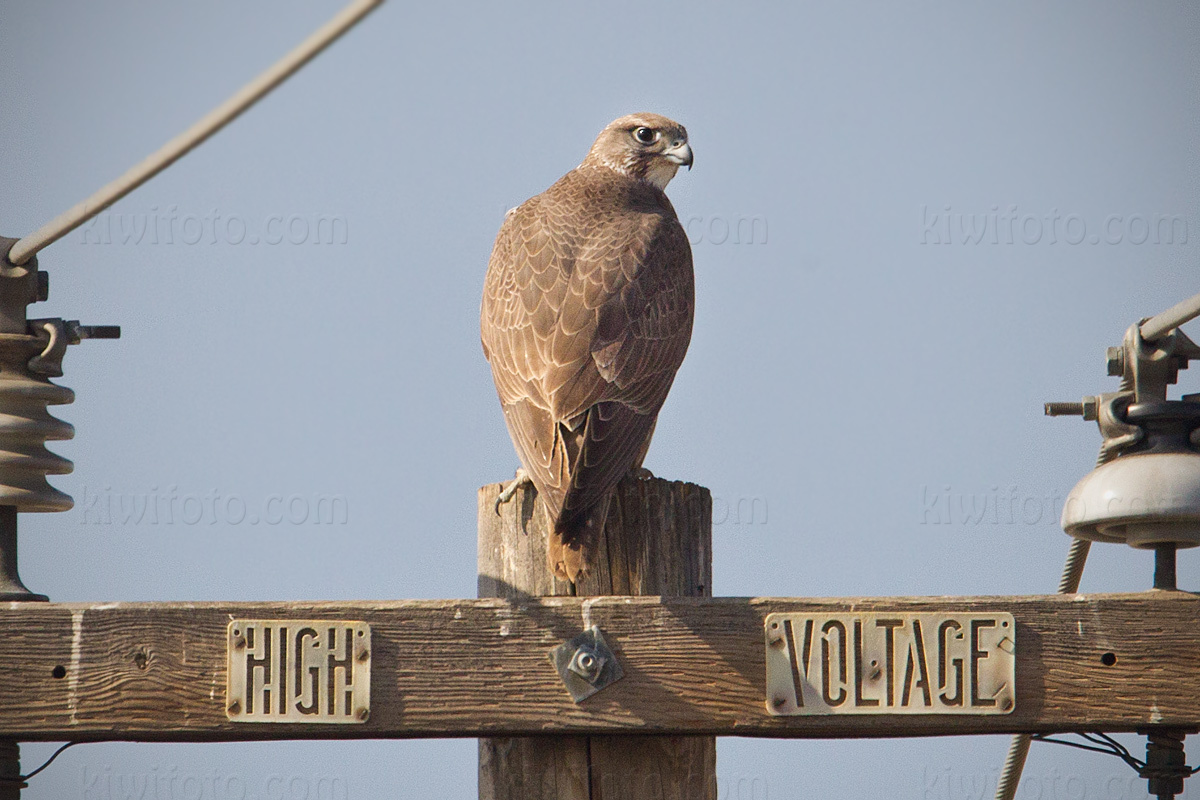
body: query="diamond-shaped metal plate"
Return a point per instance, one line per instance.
(586, 664)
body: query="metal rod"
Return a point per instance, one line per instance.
(1164, 566)
(1014, 765)
(1073, 568)
(1166, 764)
(1172, 318)
(1018, 747)
(11, 587)
(10, 770)
(216, 119)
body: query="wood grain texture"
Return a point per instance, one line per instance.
(657, 541)
(156, 671)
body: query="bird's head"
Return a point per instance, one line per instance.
(648, 147)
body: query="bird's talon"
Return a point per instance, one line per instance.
(506, 494)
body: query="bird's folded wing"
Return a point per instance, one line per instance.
(585, 330)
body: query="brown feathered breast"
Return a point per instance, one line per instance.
(587, 314)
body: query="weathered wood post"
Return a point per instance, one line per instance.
(657, 541)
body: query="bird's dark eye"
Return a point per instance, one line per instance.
(645, 135)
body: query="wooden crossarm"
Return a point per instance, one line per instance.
(443, 668)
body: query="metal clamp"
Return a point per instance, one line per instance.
(586, 664)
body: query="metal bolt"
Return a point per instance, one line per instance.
(77, 333)
(1064, 409)
(363, 713)
(1115, 358)
(364, 655)
(779, 701)
(587, 664)
(235, 707)
(1166, 766)
(1087, 409)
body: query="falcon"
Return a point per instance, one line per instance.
(586, 316)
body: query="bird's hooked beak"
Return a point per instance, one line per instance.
(679, 153)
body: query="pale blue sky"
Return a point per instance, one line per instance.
(848, 366)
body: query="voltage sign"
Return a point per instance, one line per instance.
(891, 663)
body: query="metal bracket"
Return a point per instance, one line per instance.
(1146, 369)
(586, 664)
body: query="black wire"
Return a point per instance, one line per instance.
(49, 760)
(1040, 737)
(1115, 747)
(1120, 748)
(1107, 745)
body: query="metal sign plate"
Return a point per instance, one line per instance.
(290, 670)
(882, 663)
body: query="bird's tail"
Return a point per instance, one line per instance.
(572, 542)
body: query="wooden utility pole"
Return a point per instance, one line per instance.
(657, 541)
